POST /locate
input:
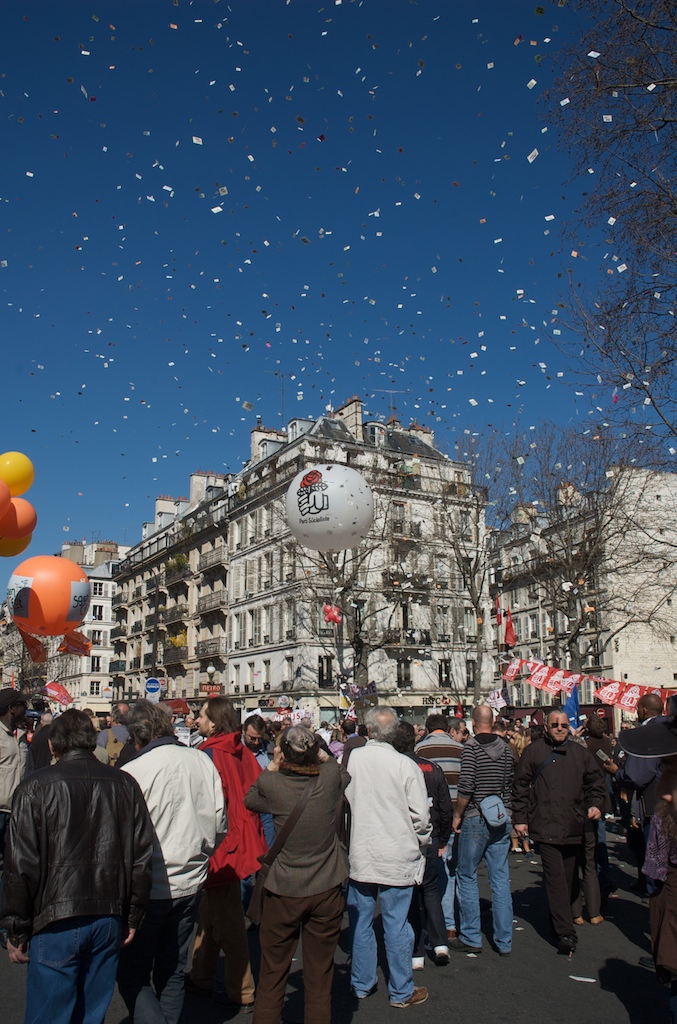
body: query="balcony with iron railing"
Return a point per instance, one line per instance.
(137, 593)
(118, 600)
(212, 602)
(174, 655)
(153, 620)
(153, 583)
(177, 613)
(406, 581)
(118, 631)
(136, 628)
(407, 637)
(177, 573)
(214, 648)
(117, 666)
(212, 558)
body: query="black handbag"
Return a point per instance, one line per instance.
(255, 909)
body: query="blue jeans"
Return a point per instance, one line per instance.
(71, 972)
(159, 951)
(475, 841)
(447, 882)
(397, 933)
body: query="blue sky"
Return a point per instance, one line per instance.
(203, 201)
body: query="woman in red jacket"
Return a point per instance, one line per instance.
(222, 924)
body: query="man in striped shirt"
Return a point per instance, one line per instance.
(487, 769)
(443, 745)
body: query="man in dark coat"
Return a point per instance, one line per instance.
(77, 876)
(557, 786)
(425, 913)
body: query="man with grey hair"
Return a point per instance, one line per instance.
(390, 826)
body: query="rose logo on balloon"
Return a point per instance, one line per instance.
(311, 497)
(343, 497)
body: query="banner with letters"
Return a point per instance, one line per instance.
(558, 680)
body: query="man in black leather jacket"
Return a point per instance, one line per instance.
(77, 876)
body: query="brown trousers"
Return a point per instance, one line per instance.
(221, 927)
(284, 919)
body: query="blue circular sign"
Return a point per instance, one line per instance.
(153, 685)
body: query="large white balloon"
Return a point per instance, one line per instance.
(329, 507)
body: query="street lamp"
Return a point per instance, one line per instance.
(211, 671)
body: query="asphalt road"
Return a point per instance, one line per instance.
(602, 984)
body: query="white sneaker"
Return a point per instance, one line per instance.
(417, 963)
(441, 955)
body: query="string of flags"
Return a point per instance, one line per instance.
(560, 681)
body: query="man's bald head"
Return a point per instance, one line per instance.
(651, 705)
(482, 718)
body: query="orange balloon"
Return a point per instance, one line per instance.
(19, 520)
(5, 498)
(48, 596)
(12, 548)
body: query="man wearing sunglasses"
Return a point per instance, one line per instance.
(557, 787)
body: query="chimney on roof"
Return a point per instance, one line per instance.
(422, 433)
(351, 414)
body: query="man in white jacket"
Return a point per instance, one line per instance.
(184, 796)
(390, 825)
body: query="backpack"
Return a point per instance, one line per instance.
(113, 748)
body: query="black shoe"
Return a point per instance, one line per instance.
(566, 944)
(461, 947)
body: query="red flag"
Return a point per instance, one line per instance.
(458, 713)
(510, 638)
(499, 617)
(57, 692)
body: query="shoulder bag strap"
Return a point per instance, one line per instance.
(284, 832)
(550, 759)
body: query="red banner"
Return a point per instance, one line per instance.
(552, 680)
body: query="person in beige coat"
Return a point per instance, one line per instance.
(390, 827)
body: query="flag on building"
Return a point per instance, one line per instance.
(499, 615)
(510, 638)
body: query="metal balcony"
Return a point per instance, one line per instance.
(177, 613)
(211, 558)
(174, 655)
(117, 666)
(213, 648)
(407, 637)
(176, 574)
(212, 602)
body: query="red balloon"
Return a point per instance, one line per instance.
(5, 498)
(19, 520)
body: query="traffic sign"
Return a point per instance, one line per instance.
(153, 688)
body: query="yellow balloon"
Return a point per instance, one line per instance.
(17, 472)
(9, 548)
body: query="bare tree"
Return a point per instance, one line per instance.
(30, 676)
(354, 581)
(583, 539)
(615, 105)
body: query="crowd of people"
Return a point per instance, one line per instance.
(129, 857)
